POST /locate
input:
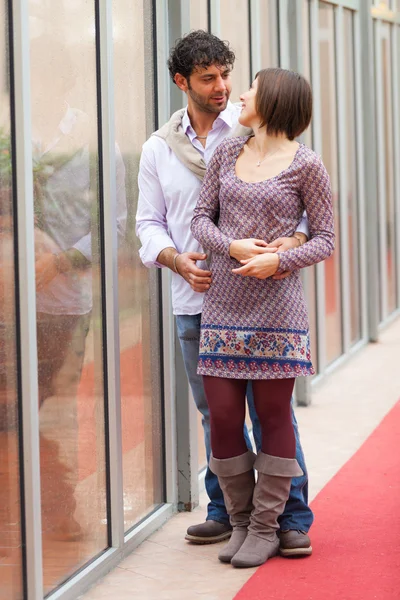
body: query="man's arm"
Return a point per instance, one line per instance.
(158, 248)
(151, 219)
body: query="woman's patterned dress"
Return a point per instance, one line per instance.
(252, 328)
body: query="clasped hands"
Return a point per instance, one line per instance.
(258, 258)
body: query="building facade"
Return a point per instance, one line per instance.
(99, 442)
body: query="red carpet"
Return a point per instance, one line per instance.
(356, 535)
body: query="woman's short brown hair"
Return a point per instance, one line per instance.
(283, 101)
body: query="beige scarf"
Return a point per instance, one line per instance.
(172, 132)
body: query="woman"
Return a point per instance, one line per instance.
(255, 327)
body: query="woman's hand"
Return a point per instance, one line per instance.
(261, 266)
(248, 248)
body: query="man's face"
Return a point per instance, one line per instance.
(208, 89)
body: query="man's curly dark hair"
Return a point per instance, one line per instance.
(199, 49)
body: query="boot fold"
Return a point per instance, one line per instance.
(228, 467)
(236, 478)
(277, 466)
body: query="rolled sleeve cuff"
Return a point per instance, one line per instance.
(151, 249)
(303, 228)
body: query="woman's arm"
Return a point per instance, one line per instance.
(316, 195)
(206, 212)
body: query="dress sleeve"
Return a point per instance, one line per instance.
(316, 195)
(205, 215)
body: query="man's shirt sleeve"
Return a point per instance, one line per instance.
(151, 221)
(302, 227)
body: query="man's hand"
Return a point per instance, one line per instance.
(248, 248)
(287, 243)
(198, 279)
(45, 269)
(261, 267)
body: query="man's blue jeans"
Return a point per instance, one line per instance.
(297, 514)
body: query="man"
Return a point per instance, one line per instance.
(172, 166)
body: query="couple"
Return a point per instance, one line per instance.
(242, 321)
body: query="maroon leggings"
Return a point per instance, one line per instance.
(227, 403)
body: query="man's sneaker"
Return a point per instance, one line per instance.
(209, 532)
(294, 542)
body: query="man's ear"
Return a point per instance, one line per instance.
(181, 82)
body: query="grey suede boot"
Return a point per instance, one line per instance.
(270, 495)
(236, 478)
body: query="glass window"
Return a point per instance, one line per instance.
(387, 89)
(199, 14)
(333, 307)
(69, 303)
(141, 409)
(351, 180)
(235, 29)
(10, 517)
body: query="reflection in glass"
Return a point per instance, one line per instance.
(141, 410)
(69, 315)
(333, 306)
(390, 258)
(198, 14)
(235, 29)
(10, 517)
(351, 181)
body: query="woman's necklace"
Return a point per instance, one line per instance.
(259, 162)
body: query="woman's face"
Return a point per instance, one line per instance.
(249, 113)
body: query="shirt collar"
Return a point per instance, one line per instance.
(226, 116)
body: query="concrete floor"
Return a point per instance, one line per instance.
(346, 407)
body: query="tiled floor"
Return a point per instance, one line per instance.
(346, 408)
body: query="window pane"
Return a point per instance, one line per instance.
(69, 311)
(198, 14)
(10, 518)
(333, 308)
(141, 409)
(351, 180)
(390, 258)
(235, 29)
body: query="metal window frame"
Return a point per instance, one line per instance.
(317, 142)
(26, 299)
(396, 128)
(342, 169)
(360, 107)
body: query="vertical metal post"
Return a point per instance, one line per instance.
(255, 37)
(284, 51)
(26, 297)
(368, 297)
(396, 137)
(167, 318)
(369, 127)
(343, 165)
(215, 17)
(185, 414)
(297, 63)
(317, 139)
(104, 40)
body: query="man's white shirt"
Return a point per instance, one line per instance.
(168, 194)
